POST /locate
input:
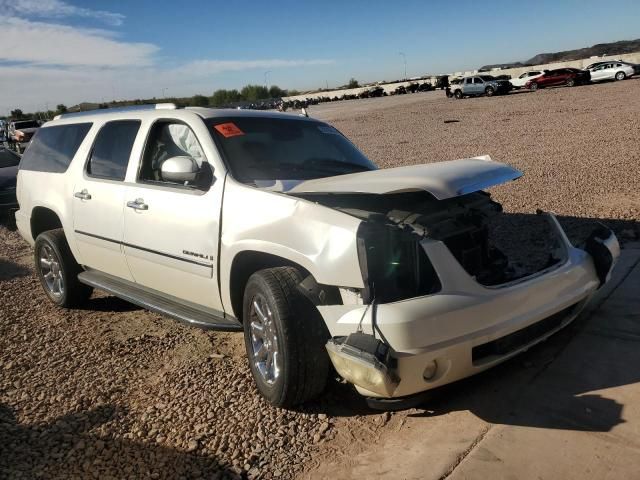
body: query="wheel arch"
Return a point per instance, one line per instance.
(44, 219)
(248, 262)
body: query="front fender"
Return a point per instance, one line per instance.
(320, 239)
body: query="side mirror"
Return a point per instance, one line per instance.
(179, 169)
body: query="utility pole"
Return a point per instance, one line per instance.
(164, 92)
(404, 57)
(266, 84)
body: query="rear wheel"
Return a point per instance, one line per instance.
(621, 76)
(489, 91)
(58, 270)
(285, 338)
(571, 82)
(458, 94)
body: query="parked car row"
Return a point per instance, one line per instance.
(535, 79)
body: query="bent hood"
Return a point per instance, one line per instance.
(442, 179)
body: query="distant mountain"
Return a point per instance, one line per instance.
(613, 48)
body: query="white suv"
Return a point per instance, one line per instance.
(277, 225)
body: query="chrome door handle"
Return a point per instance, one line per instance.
(83, 195)
(138, 204)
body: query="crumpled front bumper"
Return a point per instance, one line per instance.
(466, 327)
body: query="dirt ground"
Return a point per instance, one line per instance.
(112, 391)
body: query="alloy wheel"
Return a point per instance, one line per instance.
(51, 271)
(264, 340)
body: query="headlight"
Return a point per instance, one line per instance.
(393, 263)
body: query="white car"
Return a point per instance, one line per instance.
(611, 71)
(278, 226)
(522, 80)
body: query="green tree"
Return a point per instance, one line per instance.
(61, 108)
(221, 98)
(276, 92)
(17, 114)
(353, 83)
(199, 101)
(251, 93)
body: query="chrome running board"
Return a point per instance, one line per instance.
(158, 302)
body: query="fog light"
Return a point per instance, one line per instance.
(430, 370)
(362, 360)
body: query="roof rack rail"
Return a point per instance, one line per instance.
(132, 108)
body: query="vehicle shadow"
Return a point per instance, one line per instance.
(552, 384)
(109, 303)
(10, 270)
(72, 447)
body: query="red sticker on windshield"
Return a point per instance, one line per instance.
(228, 130)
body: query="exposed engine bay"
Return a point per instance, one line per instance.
(493, 246)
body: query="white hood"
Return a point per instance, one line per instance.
(443, 179)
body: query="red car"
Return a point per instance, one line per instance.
(560, 76)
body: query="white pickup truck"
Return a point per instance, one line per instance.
(278, 226)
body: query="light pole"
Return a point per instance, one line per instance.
(266, 84)
(404, 57)
(164, 92)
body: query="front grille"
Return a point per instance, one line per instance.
(518, 339)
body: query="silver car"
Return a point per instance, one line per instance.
(611, 71)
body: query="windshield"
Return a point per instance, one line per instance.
(258, 149)
(27, 124)
(8, 158)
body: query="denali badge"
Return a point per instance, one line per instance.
(199, 255)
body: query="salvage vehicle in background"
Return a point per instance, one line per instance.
(278, 226)
(9, 162)
(522, 80)
(560, 76)
(611, 71)
(480, 85)
(20, 133)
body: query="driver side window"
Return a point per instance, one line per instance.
(168, 140)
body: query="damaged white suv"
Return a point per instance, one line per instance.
(404, 279)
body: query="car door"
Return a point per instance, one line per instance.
(98, 202)
(600, 72)
(467, 86)
(478, 86)
(171, 229)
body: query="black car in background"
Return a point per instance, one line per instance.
(9, 162)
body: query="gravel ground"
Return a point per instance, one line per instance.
(112, 391)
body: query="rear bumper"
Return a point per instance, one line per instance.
(467, 328)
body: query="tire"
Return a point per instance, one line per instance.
(289, 322)
(621, 76)
(58, 270)
(533, 87)
(489, 91)
(571, 82)
(458, 94)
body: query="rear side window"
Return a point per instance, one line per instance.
(111, 150)
(53, 148)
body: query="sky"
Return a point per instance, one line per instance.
(69, 51)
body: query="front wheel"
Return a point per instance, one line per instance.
(285, 338)
(571, 82)
(489, 91)
(458, 94)
(620, 76)
(533, 87)
(58, 270)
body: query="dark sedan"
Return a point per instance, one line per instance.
(8, 175)
(559, 76)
